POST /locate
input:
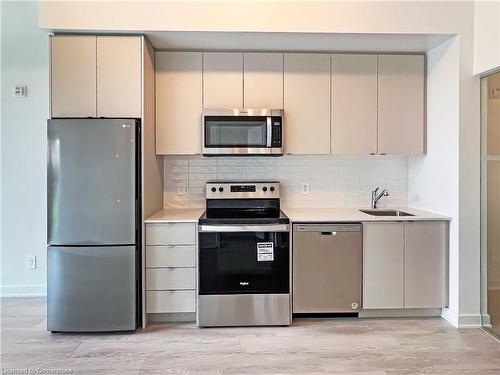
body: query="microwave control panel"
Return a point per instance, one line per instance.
(277, 133)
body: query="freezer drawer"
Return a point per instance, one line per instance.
(91, 289)
(327, 268)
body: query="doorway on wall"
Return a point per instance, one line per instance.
(490, 202)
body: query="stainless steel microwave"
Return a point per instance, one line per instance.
(242, 132)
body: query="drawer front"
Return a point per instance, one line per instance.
(170, 256)
(171, 234)
(171, 301)
(170, 278)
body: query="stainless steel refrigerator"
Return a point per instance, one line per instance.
(93, 202)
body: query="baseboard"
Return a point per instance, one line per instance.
(398, 313)
(23, 290)
(469, 321)
(486, 320)
(463, 320)
(450, 316)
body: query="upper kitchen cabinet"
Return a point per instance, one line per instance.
(222, 80)
(73, 76)
(96, 76)
(307, 103)
(354, 104)
(178, 102)
(263, 80)
(119, 76)
(401, 123)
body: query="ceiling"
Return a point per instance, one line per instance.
(264, 41)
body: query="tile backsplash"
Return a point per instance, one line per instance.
(334, 181)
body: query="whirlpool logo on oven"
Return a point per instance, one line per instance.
(244, 283)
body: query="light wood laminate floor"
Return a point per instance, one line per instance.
(310, 346)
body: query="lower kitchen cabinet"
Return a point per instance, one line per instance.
(172, 278)
(425, 264)
(383, 267)
(404, 264)
(171, 301)
(170, 267)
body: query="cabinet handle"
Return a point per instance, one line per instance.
(328, 233)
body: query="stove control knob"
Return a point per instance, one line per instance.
(213, 189)
(271, 188)
(264, 189)
(221, 189)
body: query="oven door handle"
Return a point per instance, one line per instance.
(245, 228)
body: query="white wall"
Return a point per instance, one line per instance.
(430, 177)
(24, 60)
(334, 181)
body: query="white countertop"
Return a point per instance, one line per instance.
(176, 215)
(339, 214)
(346, 214)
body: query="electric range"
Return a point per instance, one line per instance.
(244, 256)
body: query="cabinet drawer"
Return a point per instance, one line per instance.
(170, 301)
(170, 278)
(171, 234)
(170, 256)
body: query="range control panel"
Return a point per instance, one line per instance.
(242, 190)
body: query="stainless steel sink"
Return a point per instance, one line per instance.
(382, 212)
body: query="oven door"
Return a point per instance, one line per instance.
(244, 259)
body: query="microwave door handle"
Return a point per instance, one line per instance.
(269, 131)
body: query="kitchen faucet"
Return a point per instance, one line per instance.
(375, 197)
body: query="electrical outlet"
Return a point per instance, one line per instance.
(181, 188)
(304, 188)
(30, 262)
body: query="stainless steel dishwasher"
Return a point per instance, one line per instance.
(327, 268)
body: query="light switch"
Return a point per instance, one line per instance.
(20, 91)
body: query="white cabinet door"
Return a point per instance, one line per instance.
(119, 66)
(73, 76)
(354, 104)
(383, 265)
(307, 103)
(171, 301)
(178, 102)
(223, 80)
(425, 264)
(263, 80)
(401, 124)
(170, 256)
(170, 234)
(170, 278)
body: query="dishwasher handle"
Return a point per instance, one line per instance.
(328, 228)
(328, 233)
